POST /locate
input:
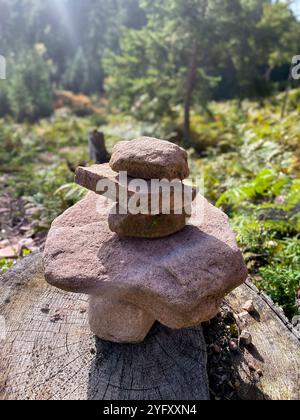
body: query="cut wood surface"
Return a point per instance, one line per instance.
(49, 352)
(274, 353)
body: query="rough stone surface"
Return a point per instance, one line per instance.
(116, 189)
(118, 322)
(144, 226)
(150, 158)
(180, 280)
(245, 338)
(249, 306)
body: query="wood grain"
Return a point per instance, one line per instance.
(50, 354)
(275, 350)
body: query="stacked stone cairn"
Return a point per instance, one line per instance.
(139, 268)
(158, 212)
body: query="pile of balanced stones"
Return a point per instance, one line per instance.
(144, 159)
(139, 268)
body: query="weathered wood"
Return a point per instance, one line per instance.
(97, 148)
(275, 352)
(50, 354)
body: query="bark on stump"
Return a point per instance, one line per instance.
(97, 148)
(50, 354)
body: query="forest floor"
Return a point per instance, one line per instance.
(14, 226)
(248, 155)
(17, 236)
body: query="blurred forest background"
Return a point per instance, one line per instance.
(211, 75)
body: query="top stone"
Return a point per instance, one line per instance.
(150, 158)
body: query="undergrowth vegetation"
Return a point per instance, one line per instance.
(253, 174)
(248, 154)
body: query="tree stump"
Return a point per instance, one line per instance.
(49, 353)
(97, 148)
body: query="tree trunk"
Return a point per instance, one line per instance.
(190, 84)
(286, 96)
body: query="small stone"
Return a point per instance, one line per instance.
(83, 310)
(216, 349)
(251, 367)
(32, 211)
(237, 384)
(150, 158)
(260, 372)
(9, 252)
(243, 316)
(249, 306)
(117, 321)
(233, 346)
(144, 226)
(296, 321)
(245, 338)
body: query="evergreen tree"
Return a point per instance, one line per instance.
(189, 47)
(29, 87)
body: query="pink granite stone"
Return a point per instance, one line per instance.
(178, 280)
(150, 158)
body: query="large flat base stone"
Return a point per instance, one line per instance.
(179, 280)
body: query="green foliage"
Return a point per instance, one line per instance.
(38, 192)
(265, 185)
(249, 158)
(67, 28)
(71, 192)
(251, 169)
(239, 44)
(29, 93)
(280, 283)
(5, 264)
(148, 83)
(35, 158)
(76, 77)
(4, 102)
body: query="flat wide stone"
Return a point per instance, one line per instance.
(150, 158)
(179, 280)
(102, 180)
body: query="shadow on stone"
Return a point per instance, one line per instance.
(255, 314)
(180, 280)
